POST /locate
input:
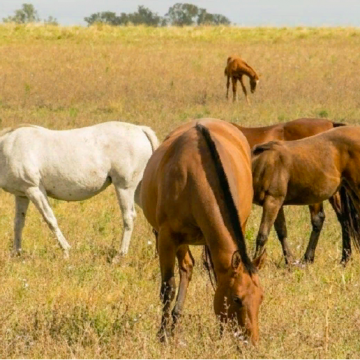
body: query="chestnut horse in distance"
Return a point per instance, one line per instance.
(235, 69)
(309, 171)
(197, 190)
(289, 131)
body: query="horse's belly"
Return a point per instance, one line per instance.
(309, 195)
(75, 191)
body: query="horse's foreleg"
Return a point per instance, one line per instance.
(186, 264)
(271, 208)
(167, 253)
(21, 206)
(317, 215)
(281, 230)
(234, 85)
(126, 202)
(244, 90)
(39, 198)
(227, 87)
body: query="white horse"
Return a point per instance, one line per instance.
(73, 165)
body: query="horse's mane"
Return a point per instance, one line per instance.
(11, 129)
(258, 149)
(247, 65)
(229, 200)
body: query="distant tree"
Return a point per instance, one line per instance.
(146, 17)
(123, 19)
(51, 21)
(27, 14)
(219, 19)
(188, 14)
(204, 18)
(178, 15)
(143, 16)
(182, 14)
(106, 17)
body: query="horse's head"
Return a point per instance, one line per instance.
(253, 83)
(239, 295)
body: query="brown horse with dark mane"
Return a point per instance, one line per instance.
(309, 171)
(289, 131)
(235, 69)
(197, 190)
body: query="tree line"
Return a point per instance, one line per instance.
(180, 14)
(27, 14)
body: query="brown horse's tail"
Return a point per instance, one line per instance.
(228, 199)
(349, 214)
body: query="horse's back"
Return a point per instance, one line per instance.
(305, 127)
(76, 164)
(181, 176)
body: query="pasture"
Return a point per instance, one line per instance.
(86, 306)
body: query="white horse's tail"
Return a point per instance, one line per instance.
(150, 134)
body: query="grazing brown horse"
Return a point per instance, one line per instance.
(197, 190)
(289, 131)
(309, 171)
(235, 69)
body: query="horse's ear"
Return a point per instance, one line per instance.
(260, 260)
(236, 260)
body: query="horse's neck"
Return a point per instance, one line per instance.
(257, 135)
(249, 71)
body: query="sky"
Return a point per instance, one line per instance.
(240, 12)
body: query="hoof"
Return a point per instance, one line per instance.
(163, 336)
(306, 261)
(298, 264)
(16, 253)
(118, 259)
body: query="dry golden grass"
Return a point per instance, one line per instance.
(86, 307)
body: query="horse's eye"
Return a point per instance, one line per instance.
(238, 301)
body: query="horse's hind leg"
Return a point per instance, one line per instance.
(234, 85)
(317, 215)
(21, 206)
(39, 198)
(167, 252)
(271, 208)
(126, 202)
(244, 90)
(186, 264)
(227, 87)
(280, 227)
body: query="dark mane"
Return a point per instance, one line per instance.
(337, 124)
(228, 199)
(258, 149)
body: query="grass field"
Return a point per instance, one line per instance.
(87, 307)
